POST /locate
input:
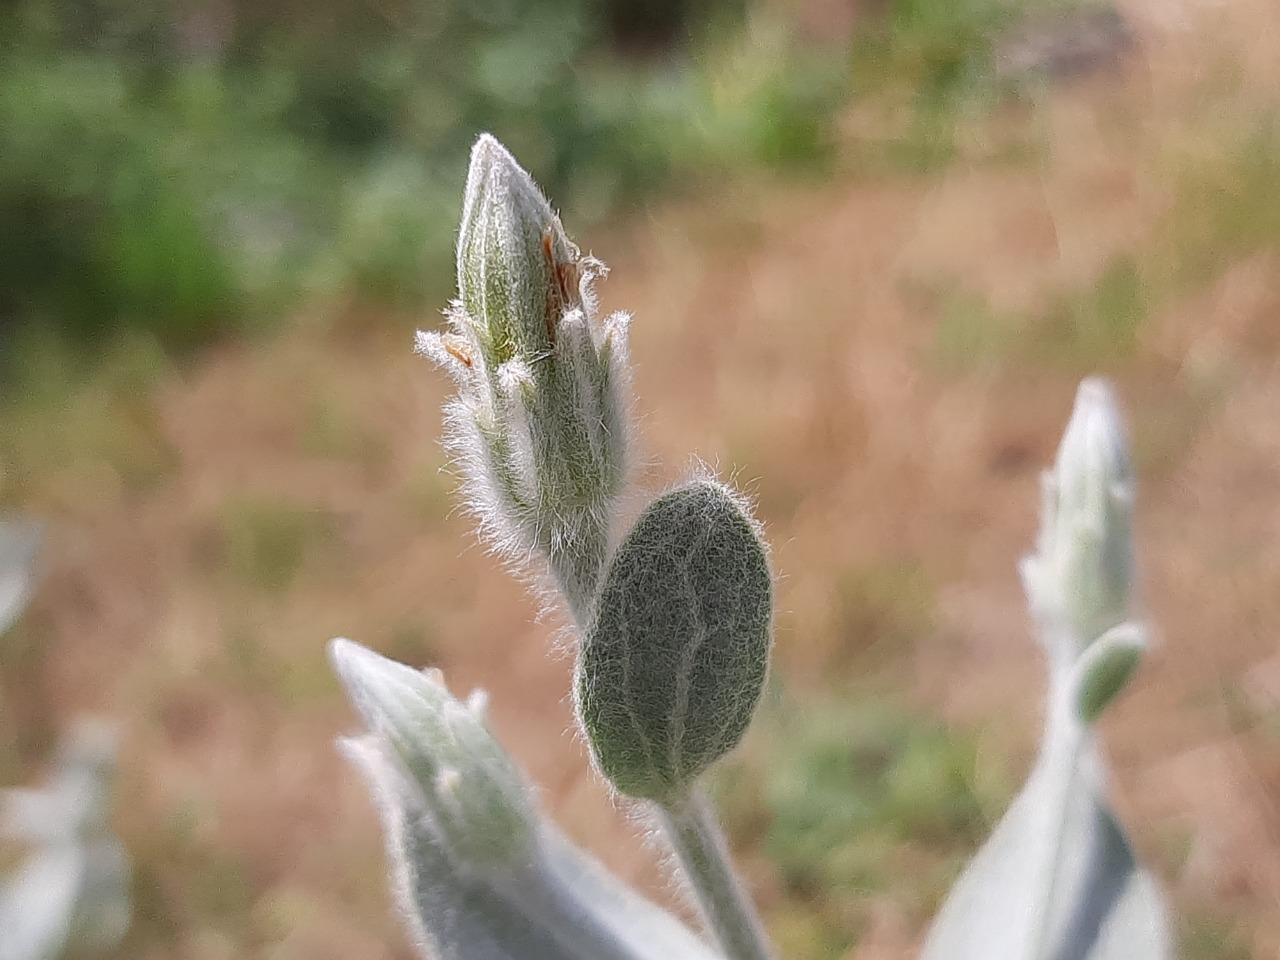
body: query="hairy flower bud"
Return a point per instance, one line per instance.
(479, 874)
(540, 426)
(509, 246)
(1082, 574)
(674, 661)
(476, 798)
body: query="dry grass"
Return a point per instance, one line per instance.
(805, 339)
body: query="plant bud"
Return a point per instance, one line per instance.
(453, 911)
(476, 797)
(1082, 574)
(674, 661)
(556, 905)
(541, 425)
(508, 246)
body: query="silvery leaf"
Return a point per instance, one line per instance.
(553, 904)
(37, 904)
(19, 542)
(1029, 896)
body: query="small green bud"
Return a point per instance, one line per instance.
(509, 246)
(674, 660)
(477, 799)
(541, 425)
(1081, 577)
(1106, 668)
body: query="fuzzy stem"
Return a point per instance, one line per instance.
(729, 913)
(1064, 738)
(576, 571)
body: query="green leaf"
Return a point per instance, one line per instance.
(673, 663)
(1106, 668)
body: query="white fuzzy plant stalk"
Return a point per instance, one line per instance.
(674, 621)
(1058, 878)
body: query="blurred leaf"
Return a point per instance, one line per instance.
(180, 173)
(19, 543)
(37, 904)
(1081, 896)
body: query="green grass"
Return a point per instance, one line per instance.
(1098, 325)
(969, 334)
(881, 609)
(333, 430)
(1081, 330)
(849, 802)
(926, 71)
(264, 542)
(215, 891)
(80, 429)
(1223, 212)
(1225, 208)
(27, 729)
(1203, 937)
(143, 190)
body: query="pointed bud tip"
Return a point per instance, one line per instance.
(1095, 421)
(383, 691)
(489, 151)
(355, 663)
(1095, 391)
(1085, 550)
(486, 156)
(494, 167)
(344, 654)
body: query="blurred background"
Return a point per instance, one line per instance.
(870, 246)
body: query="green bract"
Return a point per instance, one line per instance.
(1106, 668)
